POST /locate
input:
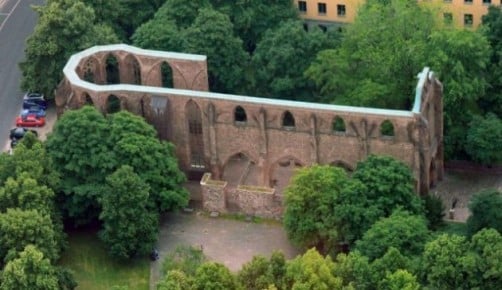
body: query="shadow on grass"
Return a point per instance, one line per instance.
(95, 270)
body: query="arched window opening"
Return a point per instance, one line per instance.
(112, 70)
(338, 125)
(387, 129)
(288, 121)
(196, 140)
(88, 100)
(136, 71)
(167, 75)
(240, 115)
(113, 104)
(89, 71)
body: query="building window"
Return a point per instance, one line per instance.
(387, 129)
(468, 20)
(321, 8)
(324, 28)
(487, 2)
(288, 121)
(340, 10)
(338, 126)
(302, 6)
(448, 18)
(467, 1)
(240, 116)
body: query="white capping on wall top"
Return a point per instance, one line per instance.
(71, 75)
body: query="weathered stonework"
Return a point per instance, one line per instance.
(254, 141)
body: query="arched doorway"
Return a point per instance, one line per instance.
(132, 75)
(281, 173)
(196, 140)
(88, 100)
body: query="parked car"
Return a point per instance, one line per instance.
(36, 110)
(34, 99)
(19, 132)
(30, 120)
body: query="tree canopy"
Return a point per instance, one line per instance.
(87, 147)
(485, 211)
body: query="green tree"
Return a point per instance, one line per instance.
(400, 280)
(87, 147)
(391, 262)
(389, 184)
(434, 211)
(407, 233)
(78, 147)
(31, 270)
(64, 27)
(483, 139)
(485, 211)
(260, 272)
(26, 194)
(129, 227)
(355, 270)
(214, 276)
(311, 271)
(252, 19)
(20, 228)
(211, 34)
(445, 263)
(175, 280)
(281, 57)
(162, 32)
(310, 197)
(487, 244)
(379, 56)
(491, 28)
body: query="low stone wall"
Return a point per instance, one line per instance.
(213, 194)
(250, 200)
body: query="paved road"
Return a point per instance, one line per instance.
(17, 21)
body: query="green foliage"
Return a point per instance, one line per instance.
(311, 271)
(94, 269)
(446, 264)
(491, 29)
(487, 244)
(483, 139)
(175, 280)
(66, 279)
(87, 147)
(400, 280)
(434, 211)
(310, 197)
(20, 228)
(213, 276)
(485, 211)
(129, 227)
(185, 259)
(355, 270)
(64, 27)
(281, 57)
(226, 58)
(260, 273)
(379, 56)
(389, 184)
(405, 232)
(251, 19)
(31, 270)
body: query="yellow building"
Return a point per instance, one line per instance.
(463, 13)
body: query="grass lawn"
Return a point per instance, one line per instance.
(95, 270)
(454, 228)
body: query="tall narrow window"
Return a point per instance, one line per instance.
(321, 8)
(288, 121)
(340, 10)
(468, 19)
(302, 6)
(487, 2)
(240, 115)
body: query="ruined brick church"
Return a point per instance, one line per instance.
(244, 149)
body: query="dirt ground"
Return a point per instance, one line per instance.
(224, 240)
(460, 186)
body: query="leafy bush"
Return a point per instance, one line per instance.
(434, 211)
(485, 211)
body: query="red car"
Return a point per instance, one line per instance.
(30, 120)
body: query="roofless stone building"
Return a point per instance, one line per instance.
(244, 149)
